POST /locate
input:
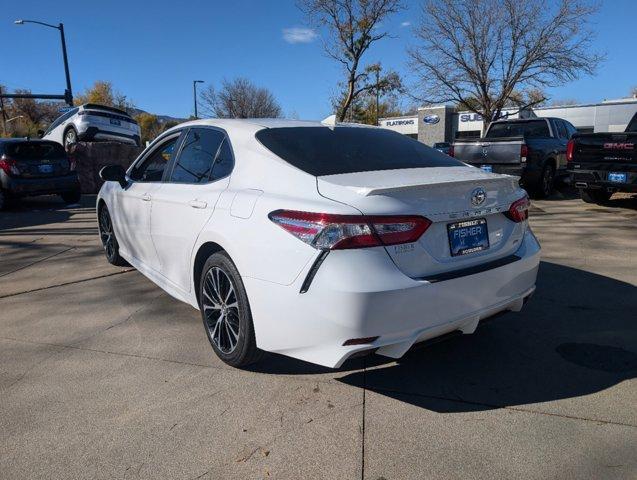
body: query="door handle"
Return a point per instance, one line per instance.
(145, 197)
(197, 204)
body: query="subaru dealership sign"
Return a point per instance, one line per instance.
(431, 119)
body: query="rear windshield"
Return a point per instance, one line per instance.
(34, 150)
(330, 151)
(530, 129)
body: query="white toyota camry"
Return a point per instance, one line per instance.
(319, 241)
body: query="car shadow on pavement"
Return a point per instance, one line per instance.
(40, 211)
(577, 336)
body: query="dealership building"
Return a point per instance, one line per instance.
(442, 123)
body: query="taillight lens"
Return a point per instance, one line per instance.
(338, 232)
(451, 152)
(570, 149)
(9, 165)
(519, 210)
(524, 153)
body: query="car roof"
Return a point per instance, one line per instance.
(253, 125)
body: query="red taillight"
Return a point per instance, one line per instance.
(338, 232)
(9, 165)
(519, 210)
(524, 153)
(451, 152)
(570, 149)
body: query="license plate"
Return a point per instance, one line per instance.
(486, 168)
(468, 237)
(617, 177)
(115, 121)
(45, 168)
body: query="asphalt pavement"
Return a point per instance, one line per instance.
(103, 375)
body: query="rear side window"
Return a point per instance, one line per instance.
(197, 157)
(632, 126)
(561, 129)
(530, 129)
(35, 150)
(335, 150)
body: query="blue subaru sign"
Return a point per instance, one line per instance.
(431, 119)
(64, 109)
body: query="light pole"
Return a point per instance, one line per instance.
(68, 93)
(194, 92)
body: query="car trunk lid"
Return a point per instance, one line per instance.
(444, 196)
(490, 151)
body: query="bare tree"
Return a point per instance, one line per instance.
(633, 92)
(239, 98)
(353, 26)
(487, 54)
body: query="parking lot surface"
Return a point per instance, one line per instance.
(102, 375)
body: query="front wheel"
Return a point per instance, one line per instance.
(226, 312)
(599, 197)
(109, 241)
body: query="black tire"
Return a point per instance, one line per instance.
(109, 241)
(600, 197)
(70, 137)
(225, 312)
(71, 197)
(546, 182)
(3, 200)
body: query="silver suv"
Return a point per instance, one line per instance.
(92, 122)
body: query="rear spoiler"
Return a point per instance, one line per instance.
(369, 191)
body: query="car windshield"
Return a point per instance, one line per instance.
(530, 129)
(35, 150)
(330, 151)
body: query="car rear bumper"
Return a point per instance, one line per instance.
(40, 186)
(95, 133)
(598, 179)
(360, 294)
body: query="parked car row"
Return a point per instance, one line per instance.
(43, 167)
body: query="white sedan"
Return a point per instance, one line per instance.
(319, 241)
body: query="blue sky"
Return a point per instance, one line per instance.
(152, 54)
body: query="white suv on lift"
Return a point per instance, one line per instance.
(91, 122)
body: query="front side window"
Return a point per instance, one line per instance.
(153, 167)
(561, 129)
(196, 160)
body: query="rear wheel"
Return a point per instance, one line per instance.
(71, 197)
(109, 241)
(3, 200)
(599, 197)
(70, 137)
(547, 180)
(226, 312)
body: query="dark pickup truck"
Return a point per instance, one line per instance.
(603, 163)
(532, 148)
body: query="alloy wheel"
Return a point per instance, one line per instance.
(221, 310)
(106, 233)
(547, 181)
(70, 138)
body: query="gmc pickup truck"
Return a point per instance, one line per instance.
(532, 148)
(603, 163)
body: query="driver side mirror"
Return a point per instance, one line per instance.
(40, 133)
(114, 173)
